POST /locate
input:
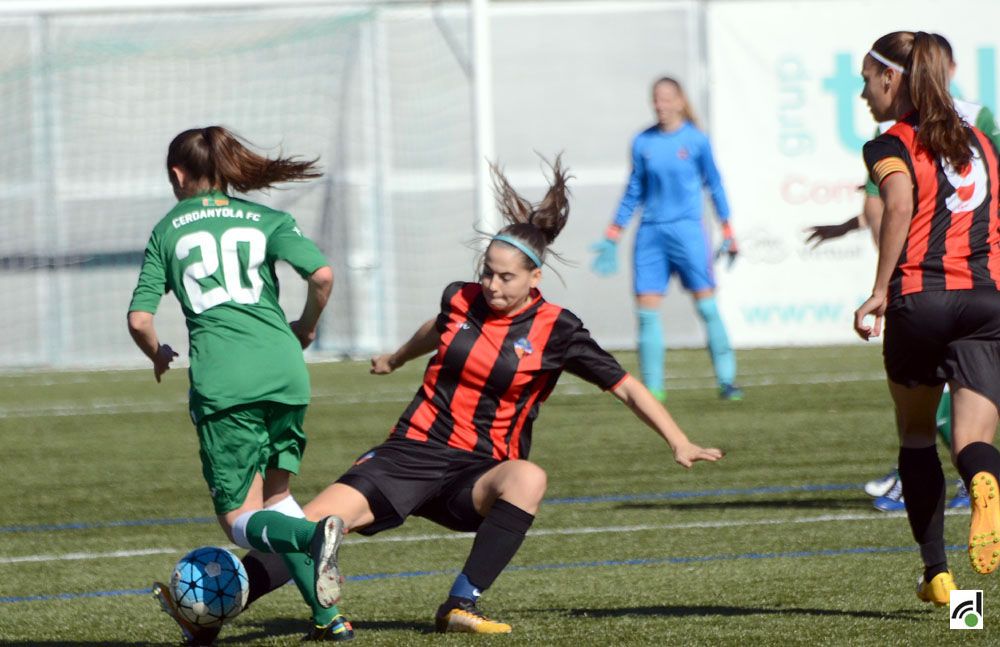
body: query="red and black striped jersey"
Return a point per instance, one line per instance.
(483, 387)
(954, 241)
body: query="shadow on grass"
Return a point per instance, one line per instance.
(84, 643)
(815, 503)
(716, 610)
(296, 627)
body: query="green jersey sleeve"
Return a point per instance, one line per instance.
(986, 122)
(870, 188)
(288, 244)
(152, 283)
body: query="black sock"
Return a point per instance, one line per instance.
(923, 490)
(497, 541)
(976, 458)
(266, 572)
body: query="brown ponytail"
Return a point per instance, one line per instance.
(537, 225)
(222, 159)
(927, 63)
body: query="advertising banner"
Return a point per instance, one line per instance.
(787, 124)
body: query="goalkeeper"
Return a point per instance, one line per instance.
(671, 163)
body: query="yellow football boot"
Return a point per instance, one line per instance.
(938, 590)
(984, 529)
(465, 617)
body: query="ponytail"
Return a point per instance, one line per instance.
(223, 160)
(941, 130)
(926, 60)
(536, 225)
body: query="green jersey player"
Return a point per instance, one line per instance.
(249, 383)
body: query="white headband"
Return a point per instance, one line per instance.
(884, 61)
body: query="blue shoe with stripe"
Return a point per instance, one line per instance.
(892, 501)
(339, 630)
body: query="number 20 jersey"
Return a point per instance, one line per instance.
(217, 254)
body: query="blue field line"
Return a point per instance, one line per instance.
(693, 494)
(652, 561)
(610, 498)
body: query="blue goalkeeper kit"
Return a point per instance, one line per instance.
(669, 170)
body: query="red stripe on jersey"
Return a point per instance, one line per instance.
(925, 177)
(475, 372)
(538, 337)
(514, 451)
(423, 417)
(993, 239)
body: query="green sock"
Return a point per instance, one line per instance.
(273, 532)
(301, 568)
(944, 418)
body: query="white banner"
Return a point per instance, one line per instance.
(787, 126)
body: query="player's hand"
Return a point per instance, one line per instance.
(606, 261)
(689, 453)
(304, 336)
(822, 233)
(875, 305)
(161, 361)
(383, 364)
(728, 247)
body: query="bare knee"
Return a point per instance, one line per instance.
(524, 486)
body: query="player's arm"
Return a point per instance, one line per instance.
(891, 174)
(605, 262)
(143, 331)
(648, 409)
(712, 180)
(288, 243)
(585, 358)
(318, 294)
(424, 340)
(151, 286)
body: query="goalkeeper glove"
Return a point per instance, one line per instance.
(728, 247)
(606, 261)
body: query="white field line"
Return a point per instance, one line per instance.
(358, 539)
(570, 388)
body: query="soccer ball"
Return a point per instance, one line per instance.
(209, 586)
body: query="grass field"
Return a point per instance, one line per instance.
(775, 545)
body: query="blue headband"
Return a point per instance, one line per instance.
(521, 246)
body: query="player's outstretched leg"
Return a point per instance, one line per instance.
(193, 634)
(324, 550)
(496, 543)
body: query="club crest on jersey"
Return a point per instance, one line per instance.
(365, 458)
(683, 154)
(214, 202)
(523, 347)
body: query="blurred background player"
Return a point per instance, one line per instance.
(887, 489)
(938, 287)
(249, 383)
(671, 163)
(458, 454)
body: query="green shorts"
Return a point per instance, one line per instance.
(246, 440)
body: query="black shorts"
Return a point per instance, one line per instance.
(401, 477)
(949, 335)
